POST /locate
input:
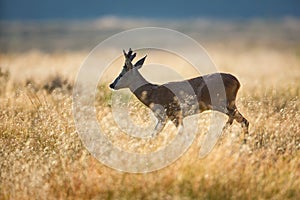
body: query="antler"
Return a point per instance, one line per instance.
(129, 54)
(129, 57)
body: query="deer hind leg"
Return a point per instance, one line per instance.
(243, 121)
(234, 114)
(229, 112)
(229, 121)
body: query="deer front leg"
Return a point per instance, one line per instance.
(161, 117)
(177, 120)
(159, 126)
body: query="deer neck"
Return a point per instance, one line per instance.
(137, 82)
(141, 88)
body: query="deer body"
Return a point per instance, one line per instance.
(176, 100)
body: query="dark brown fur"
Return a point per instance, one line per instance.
(150, 94)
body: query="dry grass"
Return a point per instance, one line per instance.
(42, 157)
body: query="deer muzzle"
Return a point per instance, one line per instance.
(112, 86)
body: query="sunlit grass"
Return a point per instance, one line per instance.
(42, 156)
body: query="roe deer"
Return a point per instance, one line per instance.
(176, 100)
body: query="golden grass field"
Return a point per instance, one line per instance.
(42, 156)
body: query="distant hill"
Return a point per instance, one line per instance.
(86, 34)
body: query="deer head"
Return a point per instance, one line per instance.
(129, 71)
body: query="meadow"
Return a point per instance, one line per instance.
(42, 156)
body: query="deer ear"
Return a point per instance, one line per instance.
(140, 63)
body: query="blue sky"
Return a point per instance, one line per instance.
(89, 9)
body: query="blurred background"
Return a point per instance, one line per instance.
(81, 25)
